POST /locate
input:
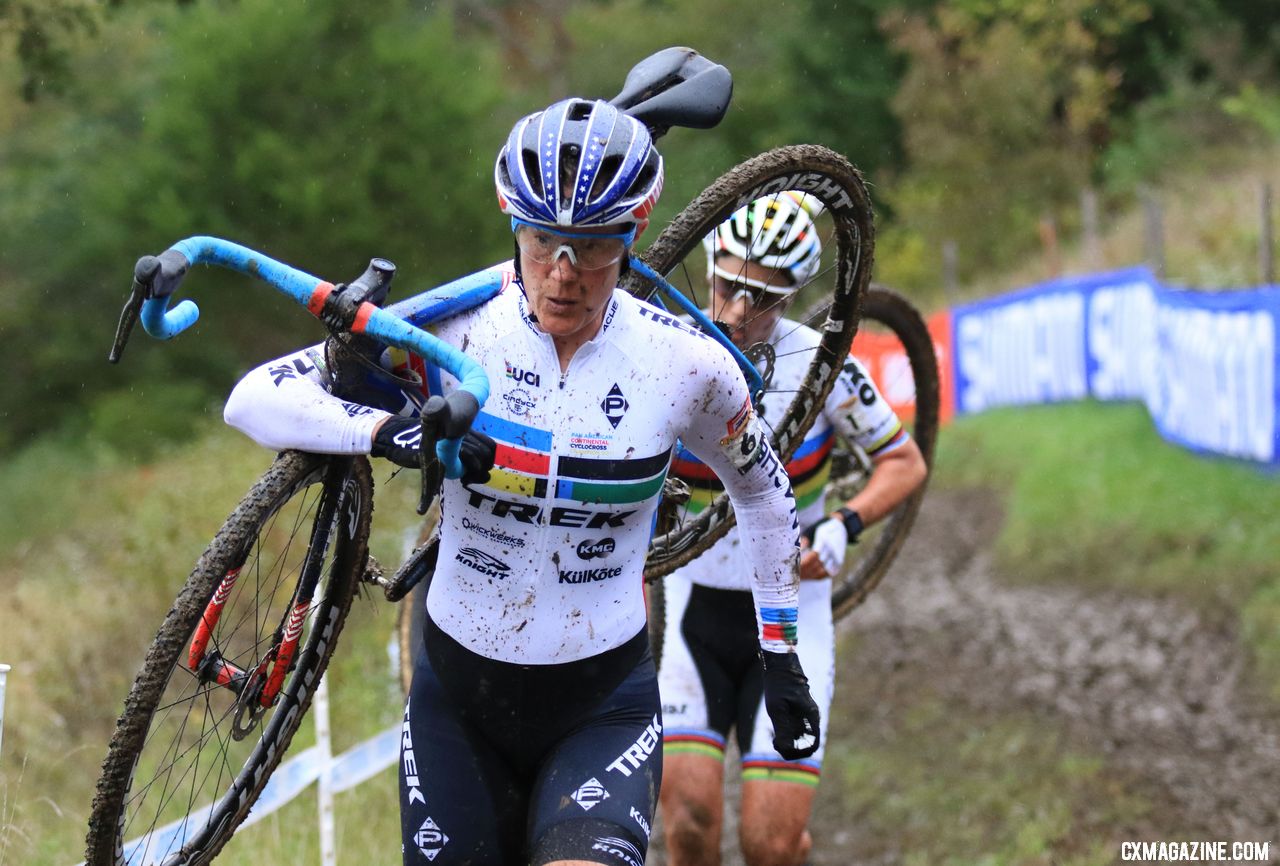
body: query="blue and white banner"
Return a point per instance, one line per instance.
(1204, 363)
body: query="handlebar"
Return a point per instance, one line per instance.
(157, 277)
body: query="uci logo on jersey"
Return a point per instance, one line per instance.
(595, 549)
(527, 377)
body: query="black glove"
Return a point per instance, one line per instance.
(792, 710)
(399, 438)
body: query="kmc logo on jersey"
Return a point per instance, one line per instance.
(430, 839)
(614, 405)
(590, 793)
(589, 549)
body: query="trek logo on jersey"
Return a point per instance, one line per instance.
(519, 401)
(639, 751)
(671, 322)
(590, 575)
(410, 762)
(482, 562)
(430, 839)
(527, 377)
(595, 549)
(619, 848)
(614, 405)
(589, 793)
(530, 512)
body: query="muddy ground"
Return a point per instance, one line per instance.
(1154, 687)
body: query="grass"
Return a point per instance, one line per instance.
(1096, 498)
(948, 786)
(98, 554)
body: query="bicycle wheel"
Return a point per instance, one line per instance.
(887, 313)
(845, 224)
(222, 690)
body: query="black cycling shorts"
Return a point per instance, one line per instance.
(503, 763)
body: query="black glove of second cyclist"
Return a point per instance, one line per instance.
(791, 708)
(399, 438)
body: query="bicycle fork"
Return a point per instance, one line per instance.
(257, 689)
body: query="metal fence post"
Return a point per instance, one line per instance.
(1153, 234)
(1266, 239)
(1089, 227)
(949, 257)
(4, 673)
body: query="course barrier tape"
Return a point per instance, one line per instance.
(358, 764)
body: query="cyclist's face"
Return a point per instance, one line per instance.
(568, 299)
(751, 313)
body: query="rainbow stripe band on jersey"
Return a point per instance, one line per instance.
(779, 623)
(766, 768)
(522, 465)
(809, 470)
(693, 741)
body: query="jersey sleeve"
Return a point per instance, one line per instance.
(860, 414)
(725, 433)
(286, 403)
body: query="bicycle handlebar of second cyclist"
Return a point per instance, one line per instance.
(160, 276)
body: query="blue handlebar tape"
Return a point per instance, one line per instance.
(310, 292)
(754, 381)
(165, 324)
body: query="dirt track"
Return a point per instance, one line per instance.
(1153, 687)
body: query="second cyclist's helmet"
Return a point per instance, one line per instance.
(579, 162)
(776, 231)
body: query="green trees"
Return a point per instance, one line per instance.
(325, 132)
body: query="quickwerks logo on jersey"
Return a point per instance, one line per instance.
(589, 549)
(482, 562)
(589, 575)
(495, 535)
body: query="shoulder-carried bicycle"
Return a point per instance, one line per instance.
(232, 669)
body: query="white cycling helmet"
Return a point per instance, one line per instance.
(777, 232)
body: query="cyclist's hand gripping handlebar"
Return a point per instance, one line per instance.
(156, 278)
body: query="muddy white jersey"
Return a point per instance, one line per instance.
(542, 564)
(855, 411)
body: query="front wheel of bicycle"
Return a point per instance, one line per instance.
(831, 189)
(232, 670)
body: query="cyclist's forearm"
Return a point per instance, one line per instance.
(284, 404)
(893, 478)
